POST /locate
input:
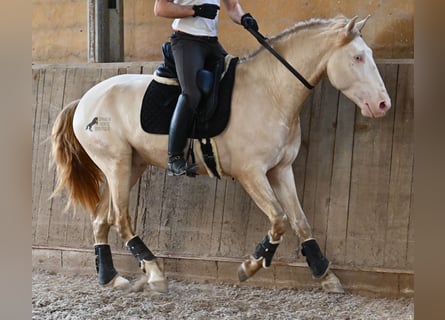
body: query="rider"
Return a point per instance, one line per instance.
(194, 39)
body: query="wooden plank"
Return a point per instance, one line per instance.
(341, 173)
(52, 96)
(227, 272)
(49, 260)
(172, 214)
(79, 262)
(37, 91)
(299, 165)
(218, 212)
(80, 80)
(136, 69)
(410, 251)
(373, 283)
(406, 285)
(150, 67)
(234, 242)
(179, 228)
(292, 277)
(149, 210)
(307, 143)
(401, 178)
(40, 215)
(53, 109)
(192, 271)
(370, 183)
(106, 73)
(289, 249)
(189, 214)
(200, 215)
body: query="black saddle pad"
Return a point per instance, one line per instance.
(160, 99)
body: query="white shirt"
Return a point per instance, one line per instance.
(197, 26)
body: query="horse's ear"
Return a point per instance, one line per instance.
(362, 23)
(351, 24)
(348, 32)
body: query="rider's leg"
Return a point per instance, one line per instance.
(189, 57)
(180, 128)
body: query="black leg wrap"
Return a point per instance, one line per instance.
(317, 262)
(266, 250)
(104, 263)
(140, 250)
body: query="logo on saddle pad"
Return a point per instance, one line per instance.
(160, 99)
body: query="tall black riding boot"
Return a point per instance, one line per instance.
(180, 128)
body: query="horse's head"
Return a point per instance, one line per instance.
(352, 70)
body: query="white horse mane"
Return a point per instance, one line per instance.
(333, 23)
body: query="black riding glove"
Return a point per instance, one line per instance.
(249, 22)
(206, 10)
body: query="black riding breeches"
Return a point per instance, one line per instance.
(191, 54)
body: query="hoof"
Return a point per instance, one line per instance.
(118, 282)
(242, 276)
(156, 279)
(139, 285)
(159, 286)
(248, 268)
(331, 284)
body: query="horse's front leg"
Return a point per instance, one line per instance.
(282, 181)
(259, 189)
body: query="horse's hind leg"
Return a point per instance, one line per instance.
(107, 274)
(122, 175)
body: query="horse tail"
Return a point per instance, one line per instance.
(74, 168)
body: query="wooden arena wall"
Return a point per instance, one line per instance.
(354, 177)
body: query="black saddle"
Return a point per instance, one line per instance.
(213, 112)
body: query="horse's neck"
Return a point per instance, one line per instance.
(307, 53)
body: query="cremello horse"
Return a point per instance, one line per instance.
(99, 167)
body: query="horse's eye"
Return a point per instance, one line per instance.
(358, 58)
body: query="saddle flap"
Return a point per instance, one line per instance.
(210, 88)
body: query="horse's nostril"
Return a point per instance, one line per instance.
(383, 105)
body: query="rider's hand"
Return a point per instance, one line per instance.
(206, 10)
(249, 22)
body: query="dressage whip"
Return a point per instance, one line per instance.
(262, 40)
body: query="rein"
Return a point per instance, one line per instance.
(262, 40)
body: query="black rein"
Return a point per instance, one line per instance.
(262, 40)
